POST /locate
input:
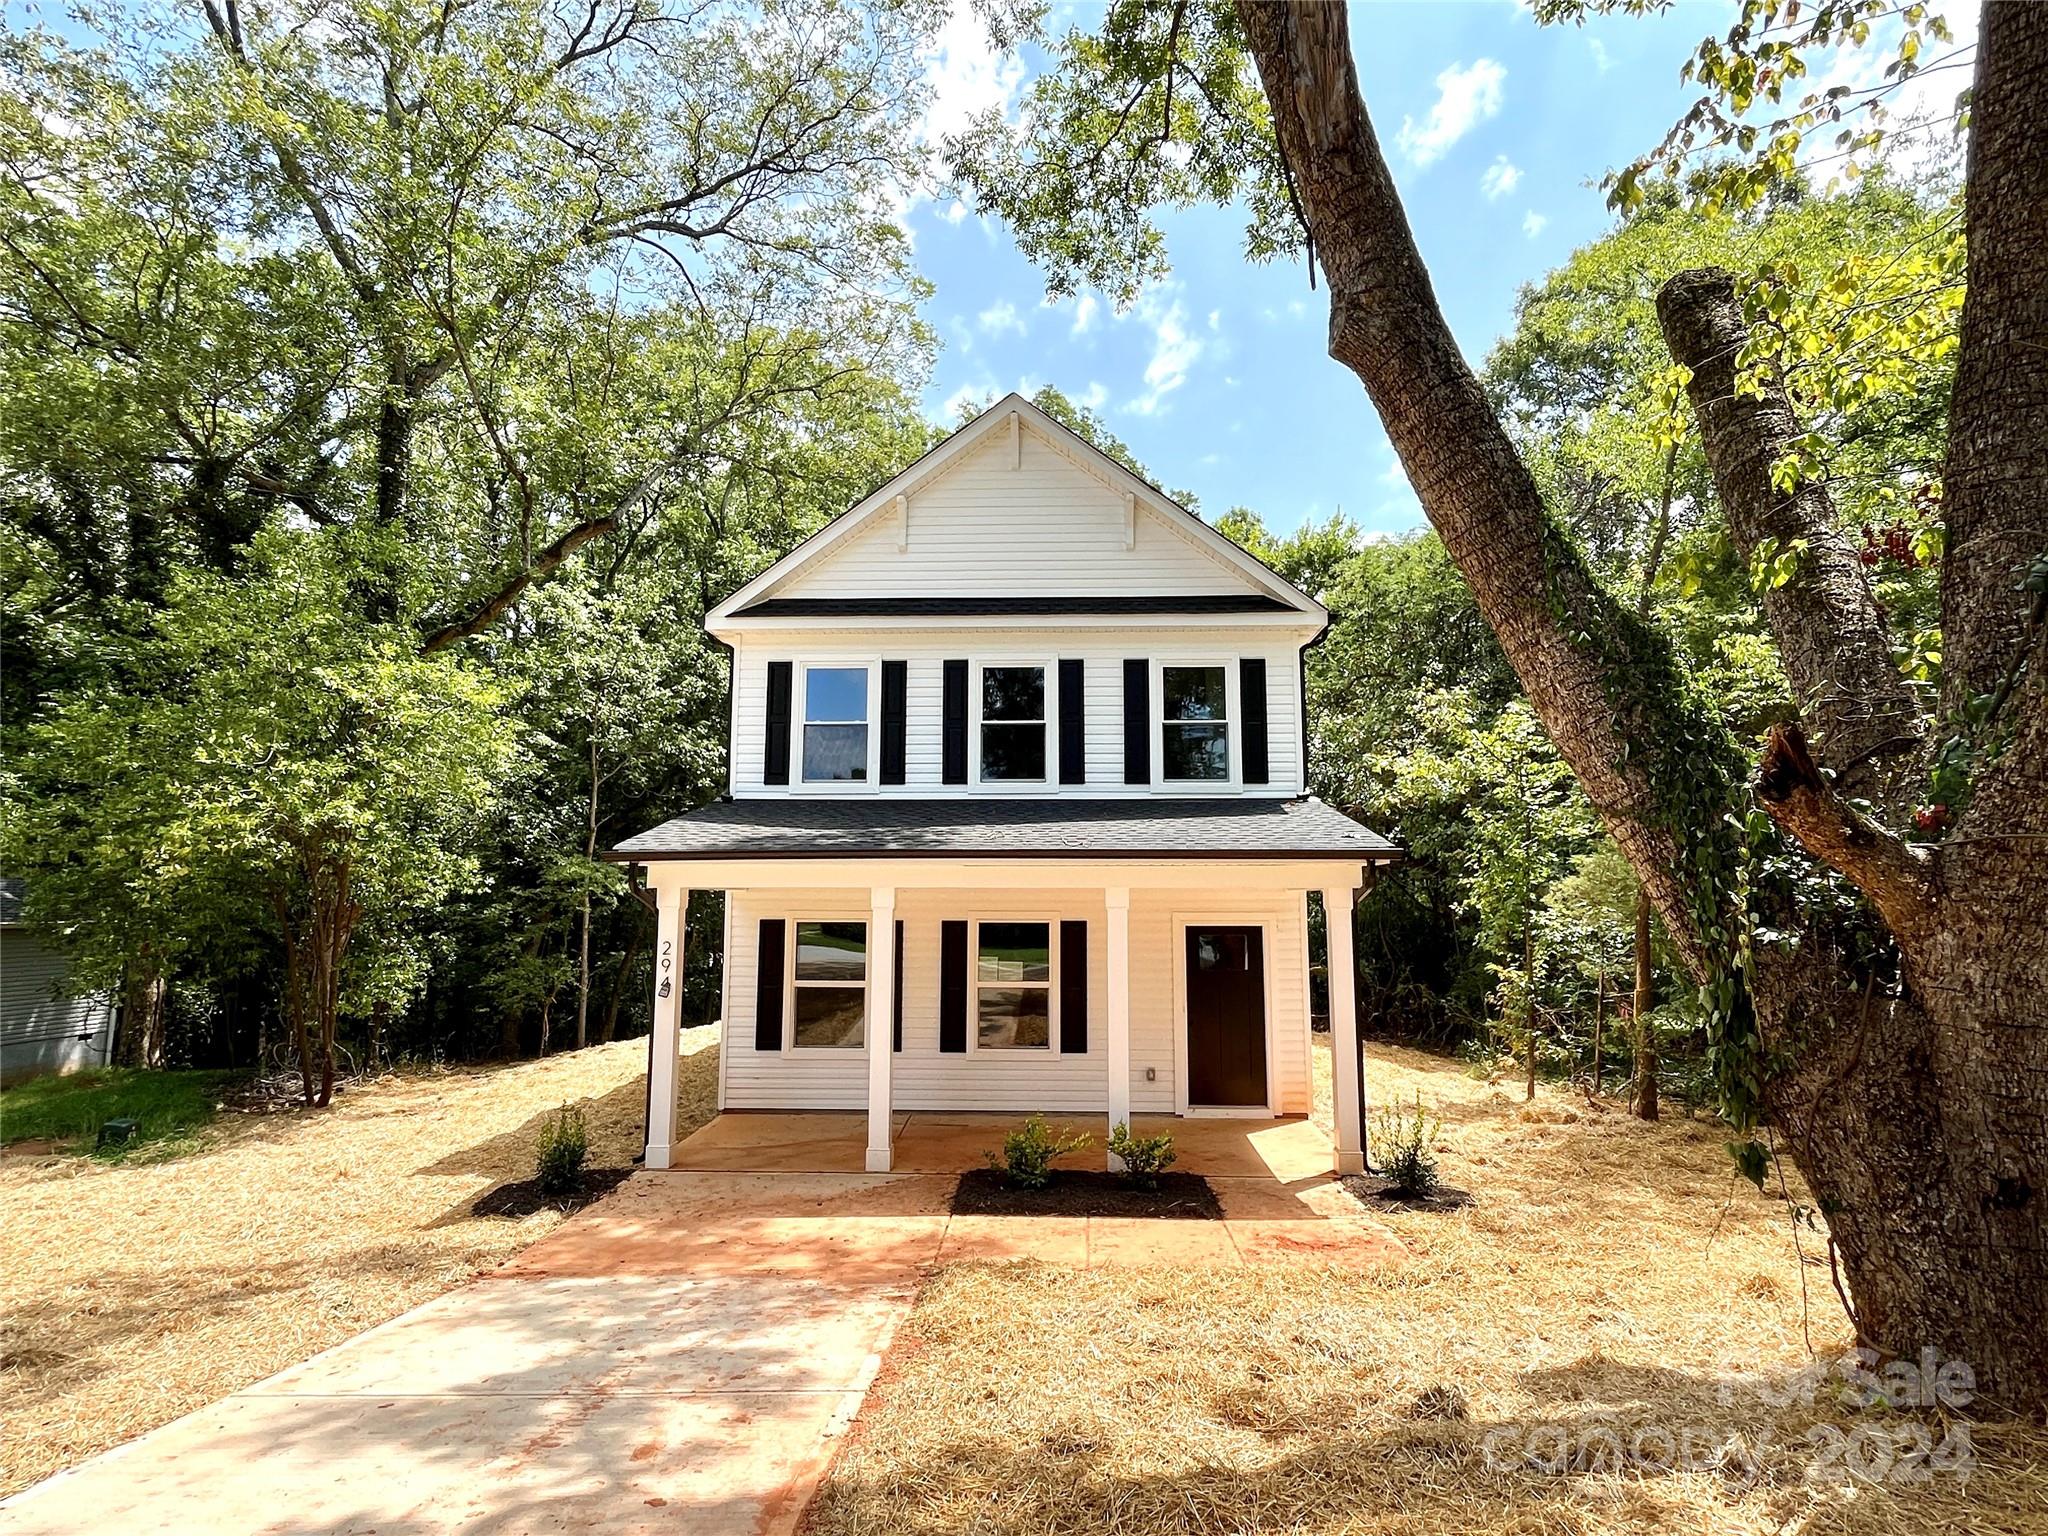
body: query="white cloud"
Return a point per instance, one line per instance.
(954, 211)
(999, 318)
(1466, 97)
(966, 394)
(1085, 309)
(1174, 350)
(1533, 222)
(1501, 178)
(1601, 61)
(1094, 397)
(966, 75)
(1215, 319)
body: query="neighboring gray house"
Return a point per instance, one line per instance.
(43, 1027)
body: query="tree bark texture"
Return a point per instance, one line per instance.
(1916, 1103)
(1836, 652)
(1643, 1103)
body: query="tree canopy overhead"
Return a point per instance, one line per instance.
(1843, 872)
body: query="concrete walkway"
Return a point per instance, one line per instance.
(681, 1357)
(520, 1405)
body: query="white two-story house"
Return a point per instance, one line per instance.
(1017, 818)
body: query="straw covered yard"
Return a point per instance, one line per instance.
(130, 1294)
(1612, 1338)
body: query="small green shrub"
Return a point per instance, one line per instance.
(558, 1156)
(1028, 1153)
(1404, 1147)
(1145, 1157)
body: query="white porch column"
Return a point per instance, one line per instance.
(671, 902)
(1345, 1067)
(1117, 984)
(881, 1031)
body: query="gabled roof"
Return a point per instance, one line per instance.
(1004, 827)
(1015, 413)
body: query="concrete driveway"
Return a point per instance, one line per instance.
(680, 1357)
(534, 1402)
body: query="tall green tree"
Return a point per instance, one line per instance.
(262, 762)
(1921, 1124)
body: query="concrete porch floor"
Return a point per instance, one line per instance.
(769, 1192)
(933, 1141)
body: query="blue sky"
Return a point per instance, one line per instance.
(1498, 131)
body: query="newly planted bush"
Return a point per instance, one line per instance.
(1028, 1153)
(1144, 1157)
(558, 1155)
(1404, 1147)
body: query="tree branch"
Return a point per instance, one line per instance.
(1833, 640)
(544, 565)
(1898, 879)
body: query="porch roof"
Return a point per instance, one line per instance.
(993, 826)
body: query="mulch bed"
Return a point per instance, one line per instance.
(525, 1197)
(1179, 1197)
(1380, 1194)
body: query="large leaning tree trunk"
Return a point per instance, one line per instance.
(1899, 1043)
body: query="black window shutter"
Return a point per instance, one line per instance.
(1251, 700)
(897, 1042)
(895, 718)
(1137, 722)
(768, 986)
(954, 754)
(775, 756)
(953, 986)
(1074, 988)
(1073, 723)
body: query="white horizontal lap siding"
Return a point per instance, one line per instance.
(926, 652)
(836, 1079)
(926, 1078)
(1046, 528)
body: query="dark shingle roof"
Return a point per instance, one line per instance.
(798, 826)
(993, 607)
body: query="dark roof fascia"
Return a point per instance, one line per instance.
(1065, 856)
(1005, 607)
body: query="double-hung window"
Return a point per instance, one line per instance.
(1194, 732)
(828, 983)
(835, 742)
(1012, 724)
(1013, 986)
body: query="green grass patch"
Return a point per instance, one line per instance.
(170, 1106)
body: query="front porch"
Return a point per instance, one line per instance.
(1291, 1150)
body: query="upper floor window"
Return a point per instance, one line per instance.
(828, 985)
(1013, 986)
(835, 724)
(1012, 724)
(1195, 728)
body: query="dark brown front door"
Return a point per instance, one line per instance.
(1226, 995)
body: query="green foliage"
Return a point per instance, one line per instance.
(1157, 107)
(170, 1106)
(1403, 1143)
(591, 319)
(1144, 1157)
(1029, 1151)
(559, 1152)
(258, 762)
